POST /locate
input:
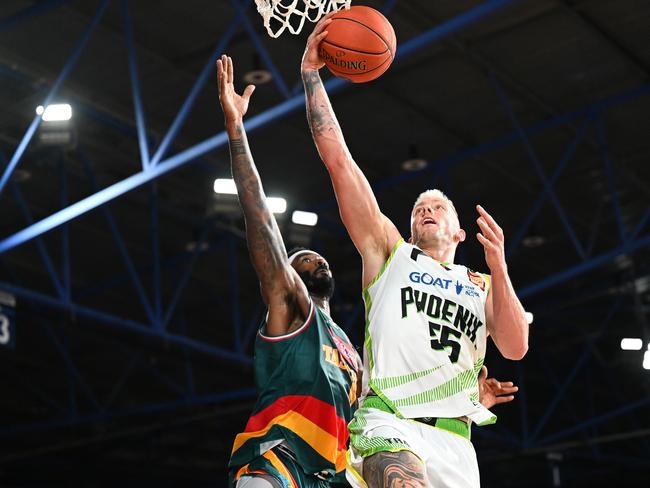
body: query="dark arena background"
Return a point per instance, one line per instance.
(128, 304)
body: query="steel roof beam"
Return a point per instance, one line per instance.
(261, 49)
(605, 155)
(65, 72)
(220, 139)
(40, 244)
(625, 409)
(75, 376)
(119, 242)
(210, 399)
(548, 185)
(130, 325)
(579, 364)
(593, 263)
(497, 143)
(140, 123)
(548, 191)
(577, 11)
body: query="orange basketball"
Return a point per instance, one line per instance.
(360, 44)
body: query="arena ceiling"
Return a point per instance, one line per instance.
(134, 320)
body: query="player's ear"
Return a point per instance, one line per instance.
(410, 241)
(460, 235)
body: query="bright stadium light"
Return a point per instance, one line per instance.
(304, 218)
(529, 317)
(646, 360)
(225, 186)
(631, 344)
(55, 113)
(276, 204)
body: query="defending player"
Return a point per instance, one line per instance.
(305, 367)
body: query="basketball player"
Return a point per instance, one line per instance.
(427, 320)
(306, 369)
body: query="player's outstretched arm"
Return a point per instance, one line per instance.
(282, 290)
(504, 313)
(373, 234)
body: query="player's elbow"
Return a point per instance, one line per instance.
(513, 347)
(516, 352)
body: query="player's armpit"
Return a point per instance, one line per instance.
(288, 305)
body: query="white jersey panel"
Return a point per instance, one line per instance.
(426, 336)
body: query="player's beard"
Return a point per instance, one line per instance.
(319, 286)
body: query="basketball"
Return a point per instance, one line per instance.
(360, 44)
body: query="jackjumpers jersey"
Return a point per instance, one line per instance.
(426, 336)
(307, 382)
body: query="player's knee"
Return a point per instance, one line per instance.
(394, 470)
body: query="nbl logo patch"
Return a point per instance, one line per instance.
(476, 279)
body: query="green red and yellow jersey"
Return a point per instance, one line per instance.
(307, 383)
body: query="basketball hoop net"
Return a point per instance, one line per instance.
(279, 15)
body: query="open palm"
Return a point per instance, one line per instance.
(234, 105)
(492, 391)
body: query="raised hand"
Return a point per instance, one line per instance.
(491, 237)
(311, 59)
(492, 391)
(234, 105)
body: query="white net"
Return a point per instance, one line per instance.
(280, 15)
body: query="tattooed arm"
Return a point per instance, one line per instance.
(373, 234)
(282, 289)
(394, 470)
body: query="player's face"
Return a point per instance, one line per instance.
(315, 272)
(434, 220)
(312, 263)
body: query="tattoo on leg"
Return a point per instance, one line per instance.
(400, 469)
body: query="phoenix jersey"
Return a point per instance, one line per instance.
(426, 336)
(307, 383)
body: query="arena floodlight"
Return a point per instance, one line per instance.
(631, 344)
(276, 204)
(646, 360)
(529, 317)
(225, 186)
(57, 112)
(304, 218)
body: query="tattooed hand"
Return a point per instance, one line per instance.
(234, 105)
(311, 60)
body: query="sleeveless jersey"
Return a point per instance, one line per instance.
(307, 382)
(425, 336)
